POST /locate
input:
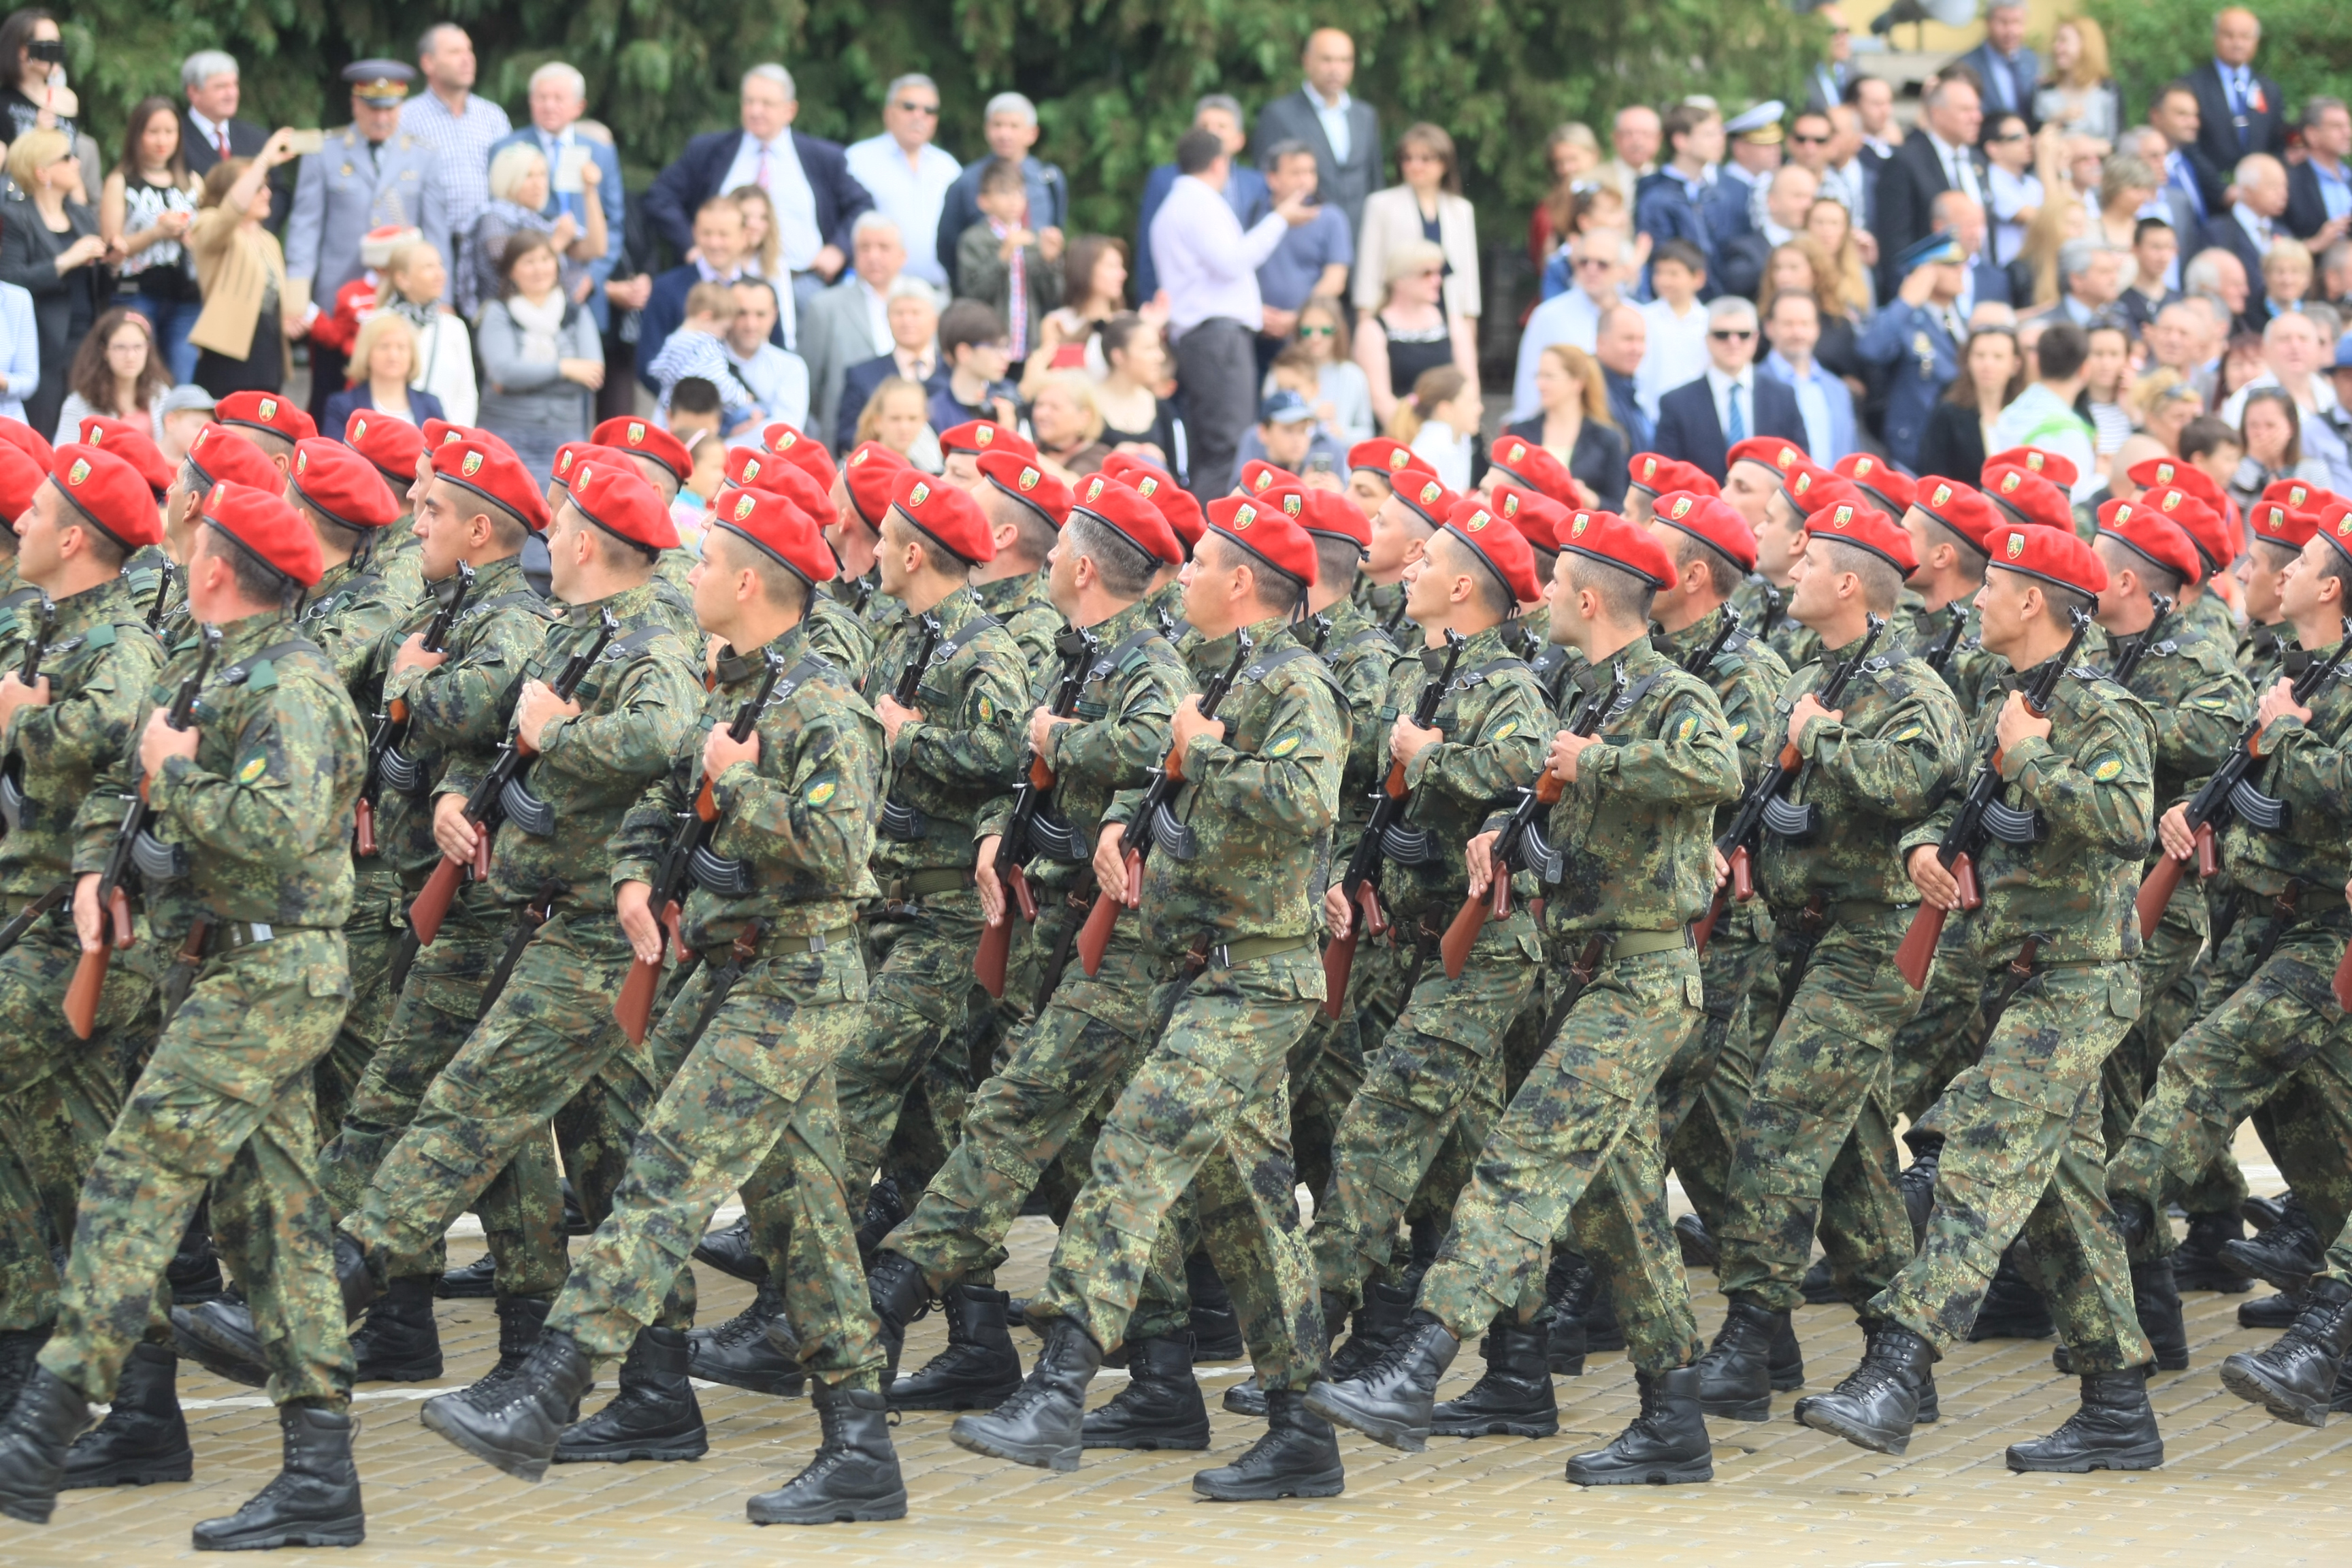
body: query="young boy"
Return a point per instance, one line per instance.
(1677, 322)
(978, 355)
(697, 350)
(695, 414)
(1005, 264)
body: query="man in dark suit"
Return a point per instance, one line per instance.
(719, 241)
(1940, 154)
(2319, 189)
(2246, 226)
(1832, 77)
(210, 130)
(2240, 112)
(2010, 71)
(767, 153)
(1700, 421)
(1915, 338)
(1671, 202)
(1009, 124)
(1345, 132)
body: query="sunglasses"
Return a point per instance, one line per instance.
(1808, 141)
(1593, 263)
(2009, 136)
(1731, 334)
(906, 108)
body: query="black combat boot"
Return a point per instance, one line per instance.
(1699, 1248)
(2284, 1256)
(1160, 1407)
(517, 1432)
(313, 1501)
(1216, 1325)
(1376, 1325)
(2013, 1308)
(885, 1208)
(2342, 1403)
(2276, 1312)
(2114, 1430)
(219, 1335)
(399, 1342)
(742, 1351)
(474, 1281)
(1514, 1399)
(1930, 1409)
(729, 1252)
(195, 1271)
(1568, 1285)
(519, 1321)
(1391, 1400)
(1424, 1236)
(1042, 1422)
(1918, 1182)
(1298, 1457)
(899, 1296)
(1877, 1405)
(1735, 1375)
(2197, 1265)
(17, 1349)
(1603, 1332)
(1666, 1445)
(2157, 1301)
(978, 1371)
(144, 1438)
(2263, 1212)
(2296, 1378)
(1820, 1286)
(36, 1435)
(654, 1416)
(854, 1476)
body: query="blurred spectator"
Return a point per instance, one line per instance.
(1005, 265)
(1573, 422)
(1311, 258)
(1601, 261)
(1287, 436)
(778, 380)
(907, 173)
(210, 131)
(36, 96)
(897, 415)
(2177, 117)
(50, 248)
(116, 372)
(693, 413)
(2156, 252)
(242, 332)
(1341, 397)
(2036, 280)
(1827, 83)
(2335, 276)
(2340, 374)
(519, 187)
(1670, 203)
(1573, 155)
(697, 352)
(1619, 347)
(2010, 71)
(2091, 276)
(1699, 422)
(2214, 446)
(1873, 101)
(719, 250)
(383, 362)
(2270, 433)
(2246, 228)
(2127, 187)
(2044, 414)
(1134, 415)
(2106, 380)
(1789, 196)
(2286, 278)
(1677, 322)
(1010, 125)
(1440, 422)
(1809, 137)
(1846, 276)
(1067, 425)
(1849, 177)
(2162, 403)
(762, 256)
(976, 352)
(1595, 211)
(1941, 156)
(181, 413)
(808, 181)
(1344, 132)
(2293, 355)
(2013, 191)
(849, 323)
(1799, 267)
(1793, 326)
(571, 146)
(912, 311)
(2240, 112)
(445, 349)
(1735, 205)
(20, 351)
(1916, 340)
(1961, 433)
(1093, 290)
(543, 359)
(1634, 138)
(1245, 191)
(2078, 96)
(459, 127)
(1426, 207)
(1411, 331)
(2319, 188)
(143, 212)
(2218, 276)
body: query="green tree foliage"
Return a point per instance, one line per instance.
(2307, 47)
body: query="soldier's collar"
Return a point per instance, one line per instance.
(749, 664)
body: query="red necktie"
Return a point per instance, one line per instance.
(226, 154)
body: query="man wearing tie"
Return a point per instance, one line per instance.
(1700, 422)
(2010, 71)
(210, 131)
(1942, 156)
(2248, 225)
(558, 96)
(2243, 112)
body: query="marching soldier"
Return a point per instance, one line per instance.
(1024, 506)
(395, 448)
(835, 633)
(1375, 469)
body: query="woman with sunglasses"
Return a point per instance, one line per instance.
(50, 246)
(1411, 331)
(1425, 207)
(1343, 396)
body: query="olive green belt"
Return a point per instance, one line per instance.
(1634, 943)
(772, 946)
(1249, 949)
(923, 884)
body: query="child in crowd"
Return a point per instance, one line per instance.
(1005, 264)
(978, 355)
(696, 350)
(1676, 323)
(1440, 423)
(1287, 433)
(695, 415)
(897, 415)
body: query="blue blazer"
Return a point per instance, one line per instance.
(695, 178)
(1665, 211)
(2026, 76)
(421, 406)
(1921, 358)
(615, 204)
(857, 385)
(1688, 429)
(665, 310)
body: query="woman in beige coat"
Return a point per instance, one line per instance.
(241, 332)
(1427, 206)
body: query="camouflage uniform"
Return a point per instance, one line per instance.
(1816, 1136)
(2023, 1151)
(1635, 829)
(1764, 610)
(1021, 606)
(263, 815)
(1210, 1100)
(835, 635)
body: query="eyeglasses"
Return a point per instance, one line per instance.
(1804, 141)
(2009, 136)
(904, 107)
(1731, 334)
(1430, 272)
(1593, 263)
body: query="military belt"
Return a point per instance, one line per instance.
(1818, 914)
(914, 885)
(1249, 949)
(227, 936)
(1637, 943)
(775, 944)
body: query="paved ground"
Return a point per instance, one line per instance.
(2238, 1488)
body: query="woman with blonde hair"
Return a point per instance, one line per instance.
(241, 332)
(1572, 152)
(1067, 425)
(2126, 183)
(2037, 261)
(382, 363)
(1425, 207)
(2162, 403)
(519, 185)
(50, 248)
(898, 415)
(2079, 96)
(1412, 332)
(1574, 424)
(1845, 287)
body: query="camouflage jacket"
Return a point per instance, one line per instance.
(2198, 703)
(2091, 782)
(2208, 616)
(344, 615)
(1554, 665)
(1377, 603)
(2307, 769)
(263, 811)
(2260, 651)
(1745, 677)
(1260, 803)
(1901, 748)
(863, 598)
(948, 764)
(1365, 661)
(1020, 605)
(66, 759)
(636, 705)
(798, 819)
(837, 636)
(1497, 731)
(400, 556)
(1764, 610)
(15, 596)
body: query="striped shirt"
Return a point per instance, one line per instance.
(461, 150)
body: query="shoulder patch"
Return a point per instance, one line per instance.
(255, 766)
(1686, 729)
(1909, 732)
(821, 789)
(2107, 768)
(1510, 727)
(1739, 731)
(1286, 744)
(987, 710)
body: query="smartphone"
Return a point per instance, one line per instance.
(568, 164)
(302, 143)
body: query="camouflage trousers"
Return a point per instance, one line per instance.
(369, 933)
(1816, 1143)
(1209, 1104)
(435, 1013)
(2022, 1154)
(227, 1101)
(548, 1036)
(1592, 1090)
(2168, 958)
(757, 1084)
(1945, 1035)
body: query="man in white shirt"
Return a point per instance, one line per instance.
(460, 128)
(909, 173)
(1675, 321)
(777, 379)
(849, 323)
(2292, 354)
(1602, 262)
(1207, 269)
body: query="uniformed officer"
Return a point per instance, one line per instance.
(1917, 336)
(1803, 489)
(835, 633)
(1754, 471)
(271, 422)
(1649, 476)
(1947, 520)
(860, 492)
(1024, 506)
(962, 446)
(247, 873)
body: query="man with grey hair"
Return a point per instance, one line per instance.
(1246, 191)
(1010, 126)
(2217, 275)
(459, 127)
(2090, 279)
(2247, 226)
(2319, 189)
(559, 97)
(849, 323)
(211, 131)
(1603, 262)
(909, 173)
(1701, 421)
(2294, 350)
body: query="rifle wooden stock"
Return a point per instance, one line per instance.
(1462, 934)
(1706, 927)
(363, 826)
(90, 974)
(1338, 963)
(633, 1008)
(431, 905)
(2155, 892)
(1919, 950)
(1739, 885)
(2343, 983)
(1094, 935)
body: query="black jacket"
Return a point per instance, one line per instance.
(1688, 429)
(695, 178)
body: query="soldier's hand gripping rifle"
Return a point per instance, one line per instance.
(1388, 803)
(1016, 845)
(904, 822)
(1152, 820)
(1519, 845)
(113, 901)
(1981, 817)
(12, 792)
(1763, 805)
(392, 723)
(425, 916)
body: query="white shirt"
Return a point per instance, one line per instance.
(1959, 169)
(1207, 264)
(214, 132)
(1570, 318)
(1334, 116)
(877, 314)
(1719, 386)
(1675, 354)
(1448, 452)
(788, 193)
(910, 195)
(2258, 229)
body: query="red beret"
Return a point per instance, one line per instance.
(1657, 474)
(2295, 495)
(1427, 498)
(1536, 516)
(1330, 515)
(1810, 487)
(267, 410)
(945, 513)
(977, 435)
(2053, 554)
(1530, 467)
(392, 445)
(2027, 497)
(1499, 544)
(269, 531)
(19, 478)
(1025, 482)
(112, 494)
(1771, 451)
(2142, 526)
(1266, 532)
(570, 453)
(1289, 499)
(131, 444)
(1387, 458)
(617, 497)
(803, 450)
(2332, 520)
(2275, 523)
(1605, 537)
(782, 530)
(493, 472)
(1851, 523)
(2215, 537)
(2177, 472)
(28, 440)
(439, 433)
(1119, 507)
(2058, 471)
(223, 457)
(869, 474)
(1961, 508)
(1711, 520)
(1258, 476)
(1879, 480)
(341, 485)
(749, 469)
(1156, 484)
(643, 438)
